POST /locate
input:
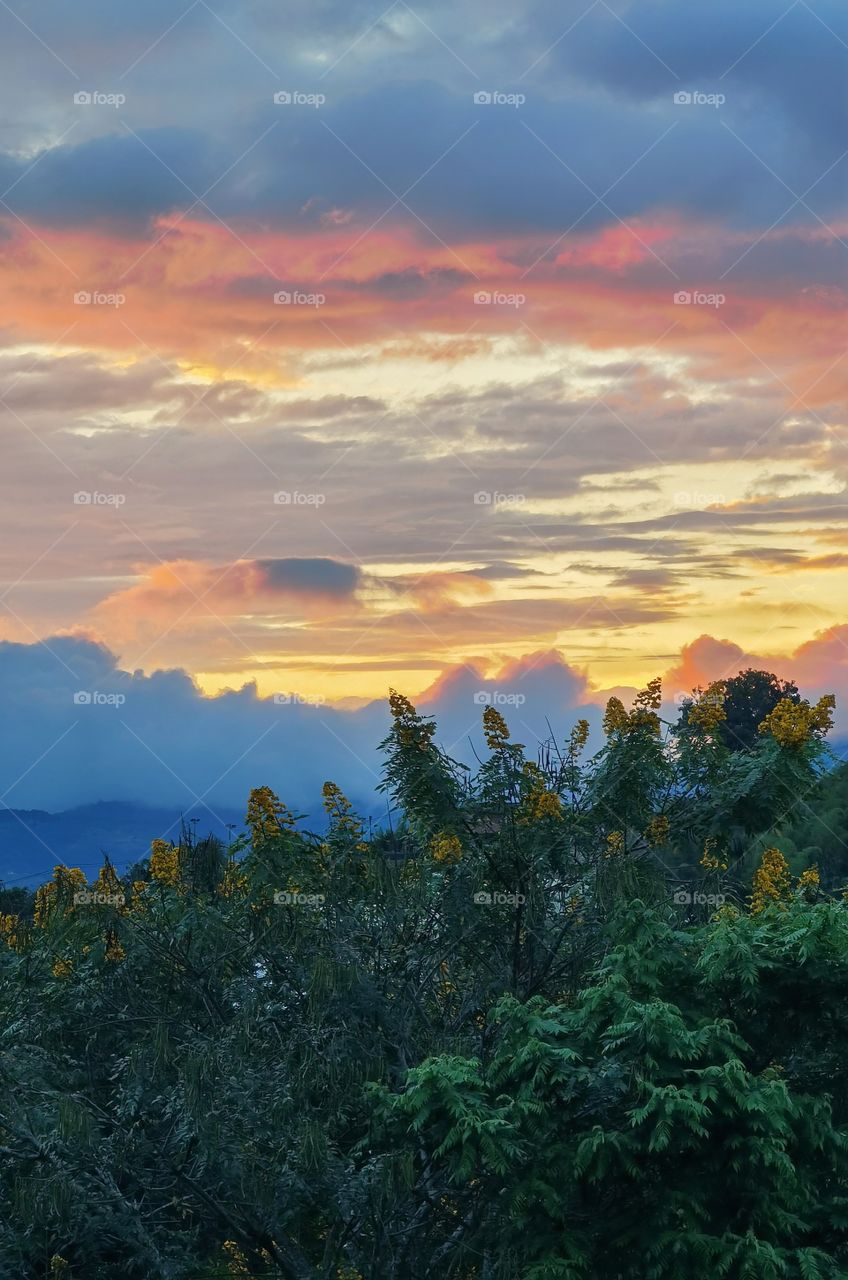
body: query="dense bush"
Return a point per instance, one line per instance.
(567, 1018)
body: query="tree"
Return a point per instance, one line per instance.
(495, 1043)
(748, 698)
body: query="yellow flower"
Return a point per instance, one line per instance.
(809, 882)
(164, 862)
(707, 712)
(709, 859)
(579, 736)
(792, 724)
(657, 830)
(772, 882)
(338, 808)
(495, 728)
(727, 912)
(615, 717)
(446, 848)
(267, 816)
(400, 707)
(58, 1266)
(115, 953)
(651, 696)
(58, 892)
(233, 880)
(539, 805)
(237, 1265)
(615, 844)
(11, 931)
(62, 968)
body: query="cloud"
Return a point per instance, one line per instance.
(155, 739)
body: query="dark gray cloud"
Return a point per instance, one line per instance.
(319, 576)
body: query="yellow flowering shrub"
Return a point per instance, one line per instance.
(579, 736)
(772, 882)
(809, 882)
(164, 862)
(12, 931)
(267, 816)
(233, 880)
(115, 953)
(657, 830)
(644, 713)
(615, 844)
(495, 729)
(58, 893)
(616, 719)
(446, 848)
(792, 724)
(650, 698)
(707, 712)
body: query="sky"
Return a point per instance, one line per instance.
(460, 349)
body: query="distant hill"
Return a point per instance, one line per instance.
(32, 841)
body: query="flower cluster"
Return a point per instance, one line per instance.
(411, 729)
(809, 882)
(340, 812)
(707, 711)
(792, 724)
(267, 816)
(495, 729)
(709, 859)
(233, 880)
(541, 804)
(115, 953)
(643, 716)
(616, 718)
(446, 848)
(772, 882)
(11, 931)
(164, 862)
(579, 736)
(58, 893)
(615, 844)
(650, 698)
(657, 830)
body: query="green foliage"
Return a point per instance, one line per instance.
(487, 1044)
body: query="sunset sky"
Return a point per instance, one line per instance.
(556, 365)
